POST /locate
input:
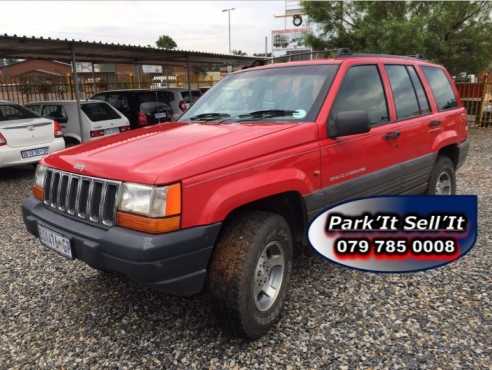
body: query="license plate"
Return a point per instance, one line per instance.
(160, 115)
(55, 241)
(111, 131)
(34, 152)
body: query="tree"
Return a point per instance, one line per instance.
(166, 42)
(238, 52)
(455, 34)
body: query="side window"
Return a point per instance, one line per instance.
(99, 97)
(362, 89)
(55, 112)
(419, 90)
(35, 108)
(119, 101)
(404, 95)
(441, 88)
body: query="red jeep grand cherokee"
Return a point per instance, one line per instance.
(221, 199)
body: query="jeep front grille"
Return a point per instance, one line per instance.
(88, 198)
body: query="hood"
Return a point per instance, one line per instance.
(176, 150)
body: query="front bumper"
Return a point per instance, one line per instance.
(174, 262)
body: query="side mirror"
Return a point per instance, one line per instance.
(349, 123)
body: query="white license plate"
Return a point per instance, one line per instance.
(55, 241)
(111, 131)
(160, 115)
(34, 152)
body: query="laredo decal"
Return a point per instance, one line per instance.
(396, 233)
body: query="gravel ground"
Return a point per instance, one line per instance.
(60, 314)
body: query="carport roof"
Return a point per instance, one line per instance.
(24, 47)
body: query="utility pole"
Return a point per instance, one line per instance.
(229, 10)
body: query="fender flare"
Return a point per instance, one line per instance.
(235, 194)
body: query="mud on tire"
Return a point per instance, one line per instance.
(234, 274)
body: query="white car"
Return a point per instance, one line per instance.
(25, 137)
(100, 118)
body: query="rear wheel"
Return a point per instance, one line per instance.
(443, 178)
(250, 271)
(71, 142)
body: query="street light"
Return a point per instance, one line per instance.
(229, 22)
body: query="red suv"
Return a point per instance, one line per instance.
(221, 199)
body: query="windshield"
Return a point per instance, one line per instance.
(287, 93)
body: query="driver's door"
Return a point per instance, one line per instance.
(362, 164)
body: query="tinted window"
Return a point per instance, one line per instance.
(54, 112)
(35, 108)
(362, 90)
(441, 88)
(99, 112)
(419, 90)
(165, 96)
(119, 101)
(403, 92)
(99, 97)
(12, 112)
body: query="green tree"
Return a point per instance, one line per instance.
(455, 33)
(238, 52)
(166, 42)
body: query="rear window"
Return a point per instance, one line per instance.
(441, 88)
(13, 112)
(194, 94)
(99, 112)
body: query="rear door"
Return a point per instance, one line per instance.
(363, 164)
(21, 127)
(412, 122)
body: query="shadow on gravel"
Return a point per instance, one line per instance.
(22, 172)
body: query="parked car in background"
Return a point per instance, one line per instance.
(25, 137)
(142, 107)
(100, 118)
(181, 101)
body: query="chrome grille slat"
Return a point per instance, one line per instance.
(88, 198)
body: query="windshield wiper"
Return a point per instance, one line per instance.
(268, 113)
(209, 116)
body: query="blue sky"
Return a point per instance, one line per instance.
(194, 25)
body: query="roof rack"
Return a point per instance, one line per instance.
(338, 53)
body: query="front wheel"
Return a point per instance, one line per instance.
(443, 178)
(250, 271)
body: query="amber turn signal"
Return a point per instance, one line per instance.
(148, 224)
(38, 192)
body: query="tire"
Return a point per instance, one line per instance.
(236, 273)
(443, 177)
(70, 142)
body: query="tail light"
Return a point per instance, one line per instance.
(3, 141)
(57, 129)
(142, 119)
(97, 133)
(183, 105)
(124, 128)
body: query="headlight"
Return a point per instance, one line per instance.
(40, 175)
(151, 201)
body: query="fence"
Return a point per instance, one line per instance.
(477, 98)
(24, 91)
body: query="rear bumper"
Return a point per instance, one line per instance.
(175, 262)
(463, 149)
(11, 156)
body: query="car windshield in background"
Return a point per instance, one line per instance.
(288, 93)
(99, 112)
(10, 112)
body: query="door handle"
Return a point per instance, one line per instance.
(435, 123)
(392, 135)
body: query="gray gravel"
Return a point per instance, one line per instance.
(60, 314)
